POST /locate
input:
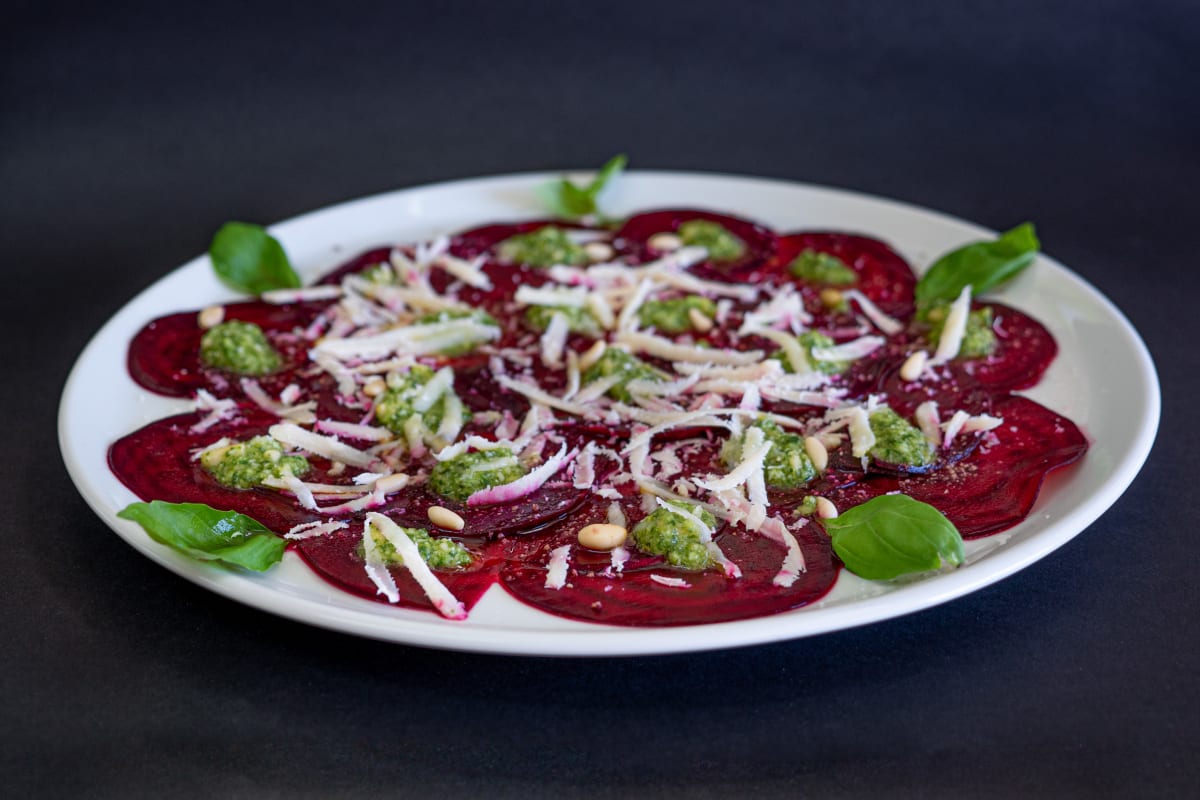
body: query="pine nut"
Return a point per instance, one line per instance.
(592, 354)
(391, 483)
(832, 298)
(817, 453)
(445, 518)
(374, 387)
(602, 536)
(665, 242)
(826, 509)
(211, 317)
(913, 366)
(700, 321)
(598, 251)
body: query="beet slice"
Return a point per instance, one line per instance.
(164, 356)
(761, 242)
(595, 594)
(336, 558)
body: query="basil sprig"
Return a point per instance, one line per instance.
(248, 259)
(894, 535)
(981, 265)
(568, 201)
(205, 533)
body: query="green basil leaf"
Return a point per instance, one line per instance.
(982, 266)
(569, 201)
(894, 535)
(205, 533)
(248, 259)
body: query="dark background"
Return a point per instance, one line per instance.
(127, 135)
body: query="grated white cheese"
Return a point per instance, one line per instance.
(310, 530)
(441, 597)
(327, 446)
(551, 296)
(793, 561)
(554, 340)
(556, 568)
(880, 320)
(954, 330)
(664, 348)
(849, 351)
(674, 583)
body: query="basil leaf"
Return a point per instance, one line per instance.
(569, 201)
(981, 265)
(248, 259)
(207, 534)
(893, 535)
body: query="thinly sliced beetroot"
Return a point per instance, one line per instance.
(595, 594)
(337, 558)
(761, 243)
(155, 462)
(883, 274)
(997, 486)
(1024, 350)
(164, 356)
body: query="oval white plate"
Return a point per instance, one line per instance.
(1120, 417)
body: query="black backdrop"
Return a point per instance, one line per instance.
(128, 134)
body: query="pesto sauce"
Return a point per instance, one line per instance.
(616, 361)
(786, 465)
(579, 320)
(249, 463)
(438, 553)
(823, 269)
(672, 316)
(897, 441)
(545, 247)
(239, 347)
(721, 244)
(460, 477)
(675, 537)
(394, 407)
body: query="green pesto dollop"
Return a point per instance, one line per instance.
(239, 347)
(462, 476)
(979, 339)
(394, 407)
(616, 361)
(721, 244)
(809, 341)
(675, 537)
(673, 315)
(250, 463)
(823, 269)
(438, 553)
(467, 346)
(807, 507)
(898, 441)
(579, 320)
(545, 247)
(786, 465)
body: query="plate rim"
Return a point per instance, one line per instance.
(374, 621)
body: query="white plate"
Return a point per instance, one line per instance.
(1120, 417)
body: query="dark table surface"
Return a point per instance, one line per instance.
(127, 135)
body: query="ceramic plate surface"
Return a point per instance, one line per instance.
(1120, 417)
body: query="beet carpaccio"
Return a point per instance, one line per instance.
(652, 423)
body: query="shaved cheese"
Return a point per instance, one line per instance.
(793, 562)
(453, 418)
(585, 467)
(468, 272)
(551, 296)
(368, 433)
(303, 295)
(628, 319)
(303, 494)
(871, 311)
(785, 310)
(662, 388)
(432, 391)
(674, 583)
(376, 567)
(556, 569)
(218, 410)
(309, 530)
(927, 418)
(470, 443)
(953, 426)
(573, 375)
(615, 515)
(302, 414)
(664, 348)
(540, 396)
(862, 438)
(792, 349)
(327, 446)
(983, 422)
(849, 351)
(601, 310)
(618, 556)
(427, 339)
(441, 597)
(754, 451)
(954, 329)
(525, 485)
(554, 340)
